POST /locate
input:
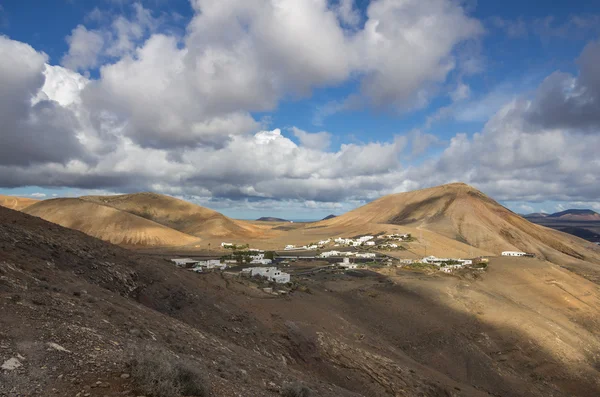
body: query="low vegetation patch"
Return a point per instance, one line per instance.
(159, 373)
(376, 265)
(295, 390)
(421, 266)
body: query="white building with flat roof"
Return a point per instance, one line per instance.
(262, 261)
(366, 255)
(328, 254)
(211, 264)
(271, 273)
(184, 262)
(513, 253)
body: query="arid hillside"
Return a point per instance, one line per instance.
(461, 212)
(109, 224)
(80, 315)
(180, 215)
(16, 203)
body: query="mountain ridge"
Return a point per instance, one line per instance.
(108, 224)
(463, 213)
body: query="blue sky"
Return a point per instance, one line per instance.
(436, 97)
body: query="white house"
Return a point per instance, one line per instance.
(226, 245)
(271, 273)
(433, 260)
(262, 261)
(345, 264)
(290, 247)
(513, 253)
(323, 242)
(328, 254)
(396, 236)
(211, 264)
(371, 243)
(348, 265)
(439, 261)
(366, 255)
(450, 268)
(184, 262)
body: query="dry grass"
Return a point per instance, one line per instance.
(158, 373)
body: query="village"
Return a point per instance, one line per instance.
(332, 254)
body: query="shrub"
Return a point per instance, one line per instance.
(295, 390)
(158, 373)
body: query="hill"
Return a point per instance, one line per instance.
(16, 203)
(109, 224)
(329, 217)
(271, 219)
(83, 316)
(463, 213)
(180, 215)
(576, 215)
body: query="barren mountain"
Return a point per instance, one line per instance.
(180, 215)
(16, 203)
(461, 212)
(109, 224)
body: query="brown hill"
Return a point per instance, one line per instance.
(109, 224)
(180, 215)
(463, 213)
(16, 203)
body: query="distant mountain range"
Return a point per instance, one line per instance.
(570, 214)
(271, 219)
(329, 217)
(583, 223)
